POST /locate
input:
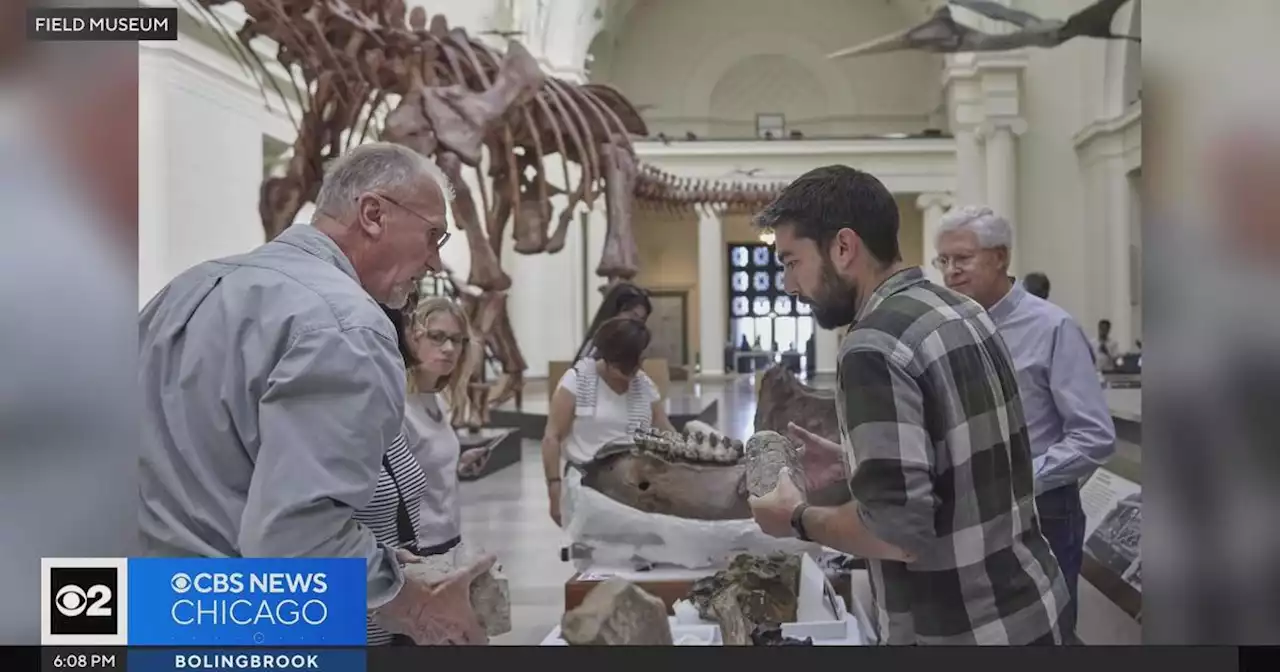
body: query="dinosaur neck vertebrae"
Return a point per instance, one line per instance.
(690, 446)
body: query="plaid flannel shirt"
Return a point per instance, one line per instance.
(934, 431)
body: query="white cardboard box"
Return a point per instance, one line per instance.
(821, 614)
(681, 634)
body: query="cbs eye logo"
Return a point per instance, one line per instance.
(83, 600)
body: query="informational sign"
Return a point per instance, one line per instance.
(1113, 528)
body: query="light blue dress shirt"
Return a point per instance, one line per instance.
(1072, 433)
(272, 386)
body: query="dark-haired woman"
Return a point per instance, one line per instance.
(602, 400)
(622, 300)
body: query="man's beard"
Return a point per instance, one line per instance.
(835, 304)
(399, 296)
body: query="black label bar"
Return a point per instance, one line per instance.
(102, 24)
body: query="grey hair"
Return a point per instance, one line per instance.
(377, 166)
(992, 229)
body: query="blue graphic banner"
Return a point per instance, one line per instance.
(208, 660)
(274, 602)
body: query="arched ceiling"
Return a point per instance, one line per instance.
(668, 56)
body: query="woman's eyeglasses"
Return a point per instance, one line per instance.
(441, 337)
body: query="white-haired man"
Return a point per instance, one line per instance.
(272, 385)
(1071, 428)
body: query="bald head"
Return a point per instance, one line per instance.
(386, 207)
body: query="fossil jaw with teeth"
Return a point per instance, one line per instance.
(690, 447)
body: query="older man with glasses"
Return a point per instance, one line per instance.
(1071, 428)
(272, 385)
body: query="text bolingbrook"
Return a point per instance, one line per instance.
(245, 661)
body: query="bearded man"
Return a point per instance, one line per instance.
(935, 447)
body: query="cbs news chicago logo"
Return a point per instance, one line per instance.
(84, 601)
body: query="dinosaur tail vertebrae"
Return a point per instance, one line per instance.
(658, 189)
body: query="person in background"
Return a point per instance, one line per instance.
(943, 505)
(1105, 349)
(1070, 426)
(272, 388)
(393, 513)
(69, 184)
(600, 401)
(438, 338)
(1037, 284)
(622, 300)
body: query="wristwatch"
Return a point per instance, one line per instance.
(797, 522)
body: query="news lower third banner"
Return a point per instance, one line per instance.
(101, 24)
(277, 603)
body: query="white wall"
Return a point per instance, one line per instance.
(201, 128)
(1083, 140)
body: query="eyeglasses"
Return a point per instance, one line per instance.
(441, 337)
(962, 261)
(444, 236)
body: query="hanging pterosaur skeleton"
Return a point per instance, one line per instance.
(942, 34)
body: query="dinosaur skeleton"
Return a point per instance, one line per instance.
(943, 34)
(363, 69)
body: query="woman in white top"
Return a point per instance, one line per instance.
(602, 400)
(438, 336)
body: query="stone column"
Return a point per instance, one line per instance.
(712, 294)
(970, 166)
(1119, 209)
(597, 224)
(933, 205)
(963, 86)
(1002, 171)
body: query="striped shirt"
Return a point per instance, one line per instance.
(639, 395)
(380, 514)
(931, 419)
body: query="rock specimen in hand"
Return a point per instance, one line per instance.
(617, 613)
(770, 634)
(767, 453)
(753, 590)
(490, 597)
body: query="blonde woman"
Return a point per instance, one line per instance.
(439, 339)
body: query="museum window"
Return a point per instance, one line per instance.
(765, 323)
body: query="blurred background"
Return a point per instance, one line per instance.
(1193, 287)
